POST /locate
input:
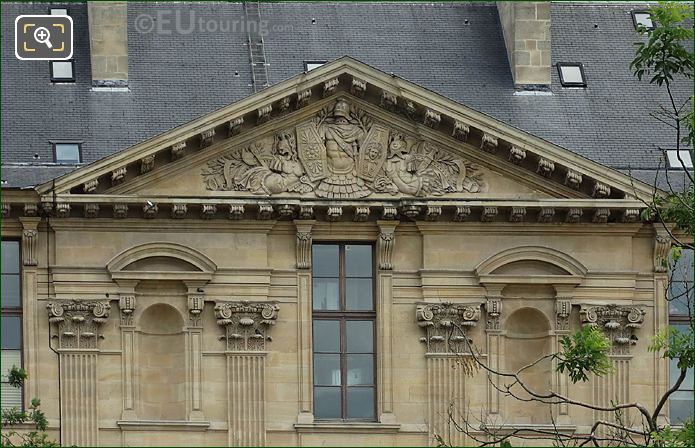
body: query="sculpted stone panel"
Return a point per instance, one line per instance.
(246, 323)
(342, 153)
(446, 324)
(77, 322)
(617, 322)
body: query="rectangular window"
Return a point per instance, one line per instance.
(344, 330)
(63, 71)
(10, 323)
(68, 153)
(679, 159)
(59, 12)
(571, 74)
(681, 285)
(310, 65)
(642, 19)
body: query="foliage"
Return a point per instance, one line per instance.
(676, 345)
(664, 55)
(675, 437)
(585, 352)
(34, 416)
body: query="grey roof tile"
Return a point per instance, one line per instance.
(177, 77)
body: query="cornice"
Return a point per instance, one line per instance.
(435, 116)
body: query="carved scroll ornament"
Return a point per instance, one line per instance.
(342, 154)
(446, 324)
(246, 323)
(617, 322)
(77, 322)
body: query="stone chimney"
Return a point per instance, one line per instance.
(526, 28)
(108, 42)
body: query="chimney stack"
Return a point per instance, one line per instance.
(526, 28)
(108, 43)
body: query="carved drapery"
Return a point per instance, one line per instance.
(341, 153)
(77, 322)
(445, 325)
(617, 322)
(386, 243)
(246, 323)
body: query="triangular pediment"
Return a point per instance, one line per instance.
(347, 132)
(341, 148)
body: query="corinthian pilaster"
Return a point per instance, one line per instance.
(618, 323)
(76, 324)
(246, 332)
(386, 242)
(446, 325)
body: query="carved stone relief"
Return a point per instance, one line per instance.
(77, 322)
(342, 153)
(617, 322)
(246, 323)
(446, 325)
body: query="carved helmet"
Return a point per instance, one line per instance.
(341, 109)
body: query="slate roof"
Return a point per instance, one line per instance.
(454, 49)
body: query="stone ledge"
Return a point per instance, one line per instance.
(162, 425)
(348, 427)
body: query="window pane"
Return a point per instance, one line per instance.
(327, 336)
(360, 370)
(326, 294)
(679, 295)
(10, 257)
(10, 397)
(358, 294)
(9, 358)
(360, 402)
(10, 290)
(327, 402)
(681, 406)
(325, 260)
(67, 153)
(360, 336)
(62, 70)
(327, 370)
(571, 74)
(11, 332)
(644, 19)
(358, 260)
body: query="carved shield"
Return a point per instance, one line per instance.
(312, 151)
(373, 152)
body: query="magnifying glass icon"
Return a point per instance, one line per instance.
(42, 36)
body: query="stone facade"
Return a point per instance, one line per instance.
(178, 310)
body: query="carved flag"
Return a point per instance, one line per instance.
(312, 151)
(373, 152)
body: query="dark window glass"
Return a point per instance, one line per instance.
(343, 332)
(11, 332)
(10, 257)
(10, 322)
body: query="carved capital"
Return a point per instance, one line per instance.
(662, 246)
(563, 309)
(446, 325)
(387, 240)
(493, 309)
(304, 240)
(30, 241)
(246, 323)
(196, 303)
(617, 322)
(126, 304)
(77, 322)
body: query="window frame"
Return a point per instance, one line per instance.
(50, 11)
(676, 318)
(642, 11)
(316, 61)
(66, 142)
(59, 80)
(681, 160)
(17, 311)
(343, 315)
(564, 83)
